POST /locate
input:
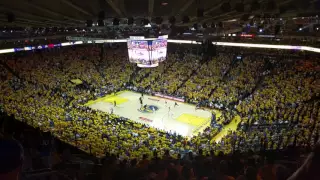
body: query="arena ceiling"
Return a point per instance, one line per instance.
(63, 13)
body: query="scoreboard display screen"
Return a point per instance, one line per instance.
(138, 51)
(159, 50)
(147, 53)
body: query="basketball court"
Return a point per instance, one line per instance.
(160, 113)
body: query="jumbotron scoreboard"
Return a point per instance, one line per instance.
(147, 52)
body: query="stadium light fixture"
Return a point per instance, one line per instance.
(116, 22)
(204, 25)
(130, 20)
(158, 20)
(100, 22)
(172, 20)
(148, 25)
(146, 22)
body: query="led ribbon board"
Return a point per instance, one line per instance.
(94, 40)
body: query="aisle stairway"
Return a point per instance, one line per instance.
(194, 72)
(267, 67)
(232, 126)
(224, 77)
(10, 70)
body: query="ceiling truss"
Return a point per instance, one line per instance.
(114, 7)
(150, 8)
(76, 7)
(44, 19)
(183, 9)
(52, 12)
(57, 14)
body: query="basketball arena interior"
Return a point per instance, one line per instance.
(159, 90)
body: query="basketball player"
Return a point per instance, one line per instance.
(197, 106)
(114, 103)
(175, 104)
(170, 113)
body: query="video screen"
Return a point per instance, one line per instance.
(159, 50)
(138, 51)
(147, 52)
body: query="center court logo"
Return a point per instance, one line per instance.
(148, 109)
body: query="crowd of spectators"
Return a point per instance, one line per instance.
(278, 102)
(45, 157)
